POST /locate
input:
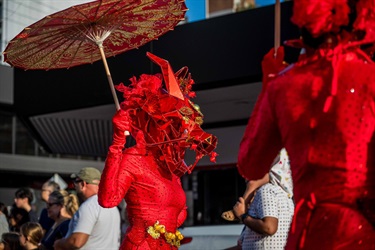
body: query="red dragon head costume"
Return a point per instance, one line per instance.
(165, 121)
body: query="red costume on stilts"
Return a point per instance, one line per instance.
(164, 124)
(322, 111)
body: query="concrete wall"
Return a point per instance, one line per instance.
(36, 164)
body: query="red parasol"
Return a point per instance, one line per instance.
(72, 36)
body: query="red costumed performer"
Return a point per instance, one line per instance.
(164, 124)
(322, 110)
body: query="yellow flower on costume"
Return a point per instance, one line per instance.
(179, 235)
(151, 231)
(171, 238)
(154, 231)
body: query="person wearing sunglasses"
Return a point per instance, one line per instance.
(61, 206)
(47, 188)
(92, 226)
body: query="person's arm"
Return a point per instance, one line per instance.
(115, 181)
(252, 186)
(74, 241)
(81, 226)
(272, 64)
(261, 140)
(266, 226)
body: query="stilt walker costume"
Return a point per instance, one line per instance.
(322, 111)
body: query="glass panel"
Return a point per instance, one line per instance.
(240, 5)
(24, 142)
(220, 7)
(213, 192)
(5, 133)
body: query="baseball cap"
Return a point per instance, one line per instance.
(89, 175)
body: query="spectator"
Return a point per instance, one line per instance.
(92, 226)
(23, 199)
(47, 189)
(4, 225)
(61, 207)
(17, 217)
(248, 195)
(31, 234)
(10, 241)
(269, 216)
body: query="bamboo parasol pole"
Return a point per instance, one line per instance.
(109, 77)
(277, 26)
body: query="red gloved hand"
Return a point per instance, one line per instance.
(121, 124)
(271, 64)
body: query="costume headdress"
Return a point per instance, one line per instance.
(165, 121)
(320, 17)
(366, 19)
(342, 25)
(334, 16)
(280, 173)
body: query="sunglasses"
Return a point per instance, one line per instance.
(51, 204)
(77, 181)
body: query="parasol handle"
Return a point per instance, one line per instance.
(126, 133)
(109, 76)
(277, 26)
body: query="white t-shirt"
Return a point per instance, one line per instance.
(269, 201)
(102, 224)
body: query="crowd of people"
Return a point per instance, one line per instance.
(71, 219)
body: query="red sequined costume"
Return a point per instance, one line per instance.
(322, 110)
(164, 123)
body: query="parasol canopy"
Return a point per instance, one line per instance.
(91, 31)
